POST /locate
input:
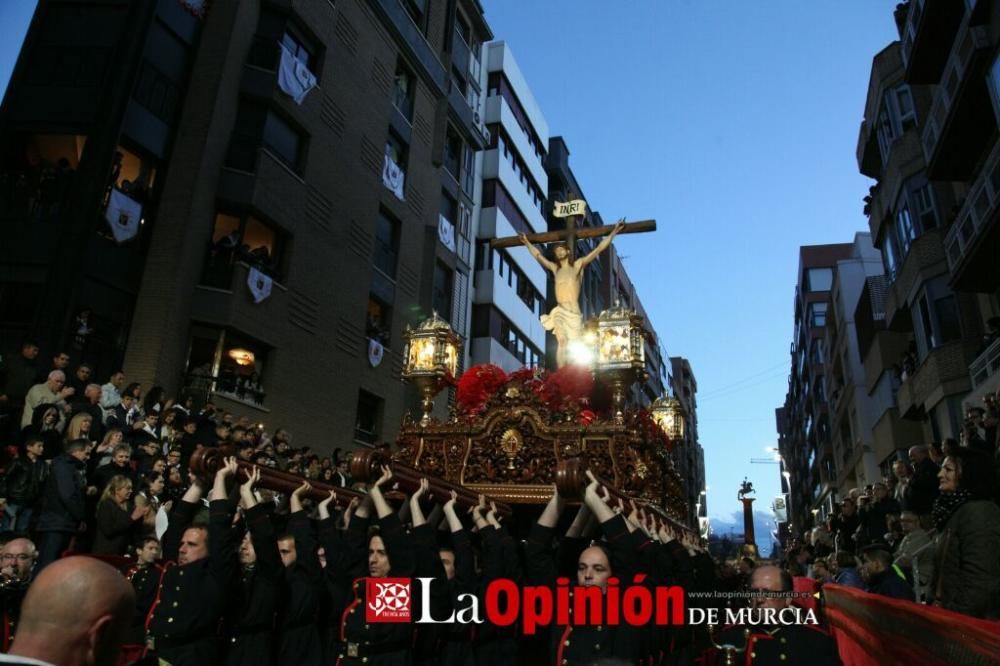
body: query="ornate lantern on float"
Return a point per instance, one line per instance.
(621, 357)
(669, 414)
(430, 359)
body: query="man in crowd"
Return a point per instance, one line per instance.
(17, 563)
(111, 395)
(88, 401)
(924, 484)
(121, 416)
(78, 382)
(54, 392)
(63, 502)
(882, 577)
(76, 612)
(60, 362)
(22, 485)
(17, 375)
(915, 553)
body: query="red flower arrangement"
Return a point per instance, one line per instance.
(568, 387)
(651, 430)
(477, 384)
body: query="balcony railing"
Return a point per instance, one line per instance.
(204, 386)
(968, 41)
(986, 364)
(976, 212)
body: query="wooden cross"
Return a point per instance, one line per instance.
(571, 233)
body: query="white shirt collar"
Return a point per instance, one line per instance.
(14, 659)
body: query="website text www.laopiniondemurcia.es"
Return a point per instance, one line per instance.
(505, 603)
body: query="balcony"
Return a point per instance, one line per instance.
(235, 308)
(927, 36)
(973, 242)
(985, 374)
(273, 189)
(906, 159)
(924, 261)
(944, 372)
(961, 113)
(233, 389)
(892, 432)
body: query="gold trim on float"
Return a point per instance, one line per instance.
(513, 494)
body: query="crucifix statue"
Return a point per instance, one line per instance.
(565, 320)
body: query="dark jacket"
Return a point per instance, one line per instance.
(873, 524)
(923, 487)
(24, 481)
(300, 641)
(889, 584)
(114, 529)
(249, 628)
(17, 377)
(967, 561)
(103, 474)
(64, 499)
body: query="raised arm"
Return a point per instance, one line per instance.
(602, 246)
(417, 513)
(382, 508)
(537, 254)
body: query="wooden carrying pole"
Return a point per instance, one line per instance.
(207, 461)
(571, 480)
(583, 232)
(366, 466)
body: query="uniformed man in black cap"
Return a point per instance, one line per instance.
(184, 622)
(777, 644)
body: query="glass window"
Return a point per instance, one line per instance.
(442, 290)
(297, 47)
(889, 259)
(453, 152)
(378, 322)
(386, 250)
(925, 207)
(904, 229)
(819, 279)
(403, 90)
(241, 238)
(949, 321)
(282, 139)
(904, 105)
(925, 322)
(817, 315)
(226, 362)
(369, 417)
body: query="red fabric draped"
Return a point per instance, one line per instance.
(873, 630)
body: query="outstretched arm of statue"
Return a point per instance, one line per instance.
(537, 254)
(602, 246)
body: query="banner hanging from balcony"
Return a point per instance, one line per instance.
(375, 352)
(294, 78)
(123, 215)
(392, 177)
(259, 284)
(446, 232)
(780, 510)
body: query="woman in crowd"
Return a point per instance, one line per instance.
(116, 518)
(45, 426)
(149, 496)
(102, 454)
(967, 564)
(79, 427)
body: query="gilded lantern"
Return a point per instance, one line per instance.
(669, 414)
(431, 358)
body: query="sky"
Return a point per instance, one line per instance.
(734, 125)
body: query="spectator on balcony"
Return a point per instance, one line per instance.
(967, 561)
(845, 524)
(924, 485)
(992, 333)
(882, 576)
(915, 554)
(974, 430)
(52, 392)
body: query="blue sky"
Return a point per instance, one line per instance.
(734, 125)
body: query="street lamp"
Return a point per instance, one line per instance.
(431, 357)
(621, 356)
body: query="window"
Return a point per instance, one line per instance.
(489, 322)
(245, 239)
(417, 9)
(889, 259)
(817, 315)
(442, 290)
(925, 322)
(297, 46)
(904, 229)
(386, 252)
(816, 351)
(925, 207)
(225, 362)
(257, 127)
(369, 417)
(378, 321)
(896, 115)
(904, 104)
(403, 90)
(819, 279)
(949, 322)
(157, 93)
(453, 152)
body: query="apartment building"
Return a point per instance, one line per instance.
(803, 423)
(509, 285)
(689, 456)
(249, 202)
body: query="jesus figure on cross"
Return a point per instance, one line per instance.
(565, 320)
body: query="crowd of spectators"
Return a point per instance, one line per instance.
(930, 533)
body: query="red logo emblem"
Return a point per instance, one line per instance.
(388, 599)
